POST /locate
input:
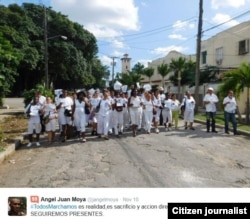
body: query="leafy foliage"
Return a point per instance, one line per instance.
(163, 70)
(71, 63)
(149, 72)
(237, 80)
(132, 77)
(9, 60)
(29, 94)
(184, 67)
(207, 74)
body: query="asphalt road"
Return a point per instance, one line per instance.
(174, 159)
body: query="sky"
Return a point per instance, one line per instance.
(147, 29)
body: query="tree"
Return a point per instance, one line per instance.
(163, 70)
(207, 74)
(69, 62)
(237, 80)
(9, 60)
(138, 68)
(178, 66)
(100, 73)
(130, 78)
(149, 72)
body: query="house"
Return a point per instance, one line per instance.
(228, 50)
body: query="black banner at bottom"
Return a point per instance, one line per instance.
(208, 210)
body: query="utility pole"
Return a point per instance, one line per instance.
(198, 51)
(113, 69)
(46, 38)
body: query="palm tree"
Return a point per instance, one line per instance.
(131, 78)
(207, 74)
(163, 70)
(178, 65)
(149, 72)
(239, 79)
(138, 68)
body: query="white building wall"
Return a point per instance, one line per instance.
(231, 59)
(228, 40)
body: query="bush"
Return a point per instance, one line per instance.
(29, 94)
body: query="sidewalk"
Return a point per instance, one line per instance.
(12, 106)
(242, 132)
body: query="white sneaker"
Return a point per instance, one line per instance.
(37, 144)
(157, 131)
(84, 140)
(28, 145)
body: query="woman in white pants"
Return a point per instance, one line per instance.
(118, 106)
(65, 104)
(148, 106)
(157, 108)
(126, 116)
(35, 110)
(167, 111)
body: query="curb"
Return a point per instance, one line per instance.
(5, 107)
(10, 150)
(222, 127)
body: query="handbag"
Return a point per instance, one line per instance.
(97, 109)
(183, 107)
(67, 113)
(27, 111)
(87, 109)
(154, 111)
(119, 108)
(46, 119)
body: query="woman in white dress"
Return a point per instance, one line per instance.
(134, 104)
(189, 110)
(167, 111)
(103, 115)
(94, 101)
(79, 115)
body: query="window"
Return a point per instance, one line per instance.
(243, 47)
(204, 57)
(219, 55)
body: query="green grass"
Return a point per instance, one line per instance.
(220, 121)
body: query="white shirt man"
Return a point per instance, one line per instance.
(210, 100)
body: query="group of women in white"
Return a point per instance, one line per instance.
(109, 112)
